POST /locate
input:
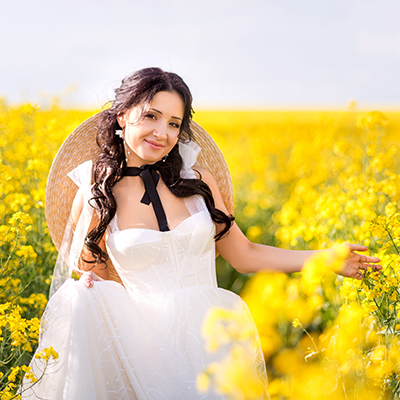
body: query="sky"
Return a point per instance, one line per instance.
(233, 54)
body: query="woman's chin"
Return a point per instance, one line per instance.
(146, 159)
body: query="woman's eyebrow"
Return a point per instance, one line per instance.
(154, 109)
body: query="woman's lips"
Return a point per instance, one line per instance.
(154, 145)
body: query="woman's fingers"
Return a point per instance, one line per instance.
(372, 267)
(89, 283)
(366, 259)
(88, 278)
(357, 247)
(363, 268)
(363, 258)
(357, 264)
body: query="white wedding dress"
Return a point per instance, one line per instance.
(142, 341)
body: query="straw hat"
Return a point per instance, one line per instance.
(81, 146)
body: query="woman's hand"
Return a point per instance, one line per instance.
(89, 277)
(356, 264)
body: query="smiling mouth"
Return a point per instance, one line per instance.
(154, 145)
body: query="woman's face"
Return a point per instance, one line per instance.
(150, 139)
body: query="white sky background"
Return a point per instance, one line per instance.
(232, 54)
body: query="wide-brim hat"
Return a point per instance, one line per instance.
(81, 146)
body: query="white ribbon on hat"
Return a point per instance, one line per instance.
(189, 152)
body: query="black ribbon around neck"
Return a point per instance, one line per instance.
(150, 177)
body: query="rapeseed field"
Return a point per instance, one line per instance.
(303, 180)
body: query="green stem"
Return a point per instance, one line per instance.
(312, 340)
(391, 238)
(377, 305)
(34, 383)
(12, 251)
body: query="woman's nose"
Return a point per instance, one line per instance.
(161, 131)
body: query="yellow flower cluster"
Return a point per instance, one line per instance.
(15, 374)
(317, 268)
(234, 377)
(230, 332)
(20, 331)
(29, 139)
(47, 353)
(314, 181)
(222, 325)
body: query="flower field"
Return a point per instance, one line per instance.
(313, 180)
(29, 140)
(303, 180)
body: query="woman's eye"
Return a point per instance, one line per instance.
(151, 116)
(175, 125)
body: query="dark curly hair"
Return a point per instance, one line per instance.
(138, 89)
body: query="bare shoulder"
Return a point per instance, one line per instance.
(205, 175)
(76, 210)
(209, 179)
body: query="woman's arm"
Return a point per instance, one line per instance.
(246, 256)
(93, 271)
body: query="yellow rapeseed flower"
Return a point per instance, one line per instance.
(296, 323)
(13, 375)
(237, 378)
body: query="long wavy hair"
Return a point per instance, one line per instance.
(138, 89)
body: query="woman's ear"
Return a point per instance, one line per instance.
(121, 120)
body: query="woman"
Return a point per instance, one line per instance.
(156, 218)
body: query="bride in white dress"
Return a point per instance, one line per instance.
(144, 241)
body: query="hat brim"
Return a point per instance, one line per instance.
(81, 146)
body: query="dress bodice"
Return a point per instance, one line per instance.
(143, 341)
(155, 261)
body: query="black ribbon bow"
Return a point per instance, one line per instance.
(150, 177)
